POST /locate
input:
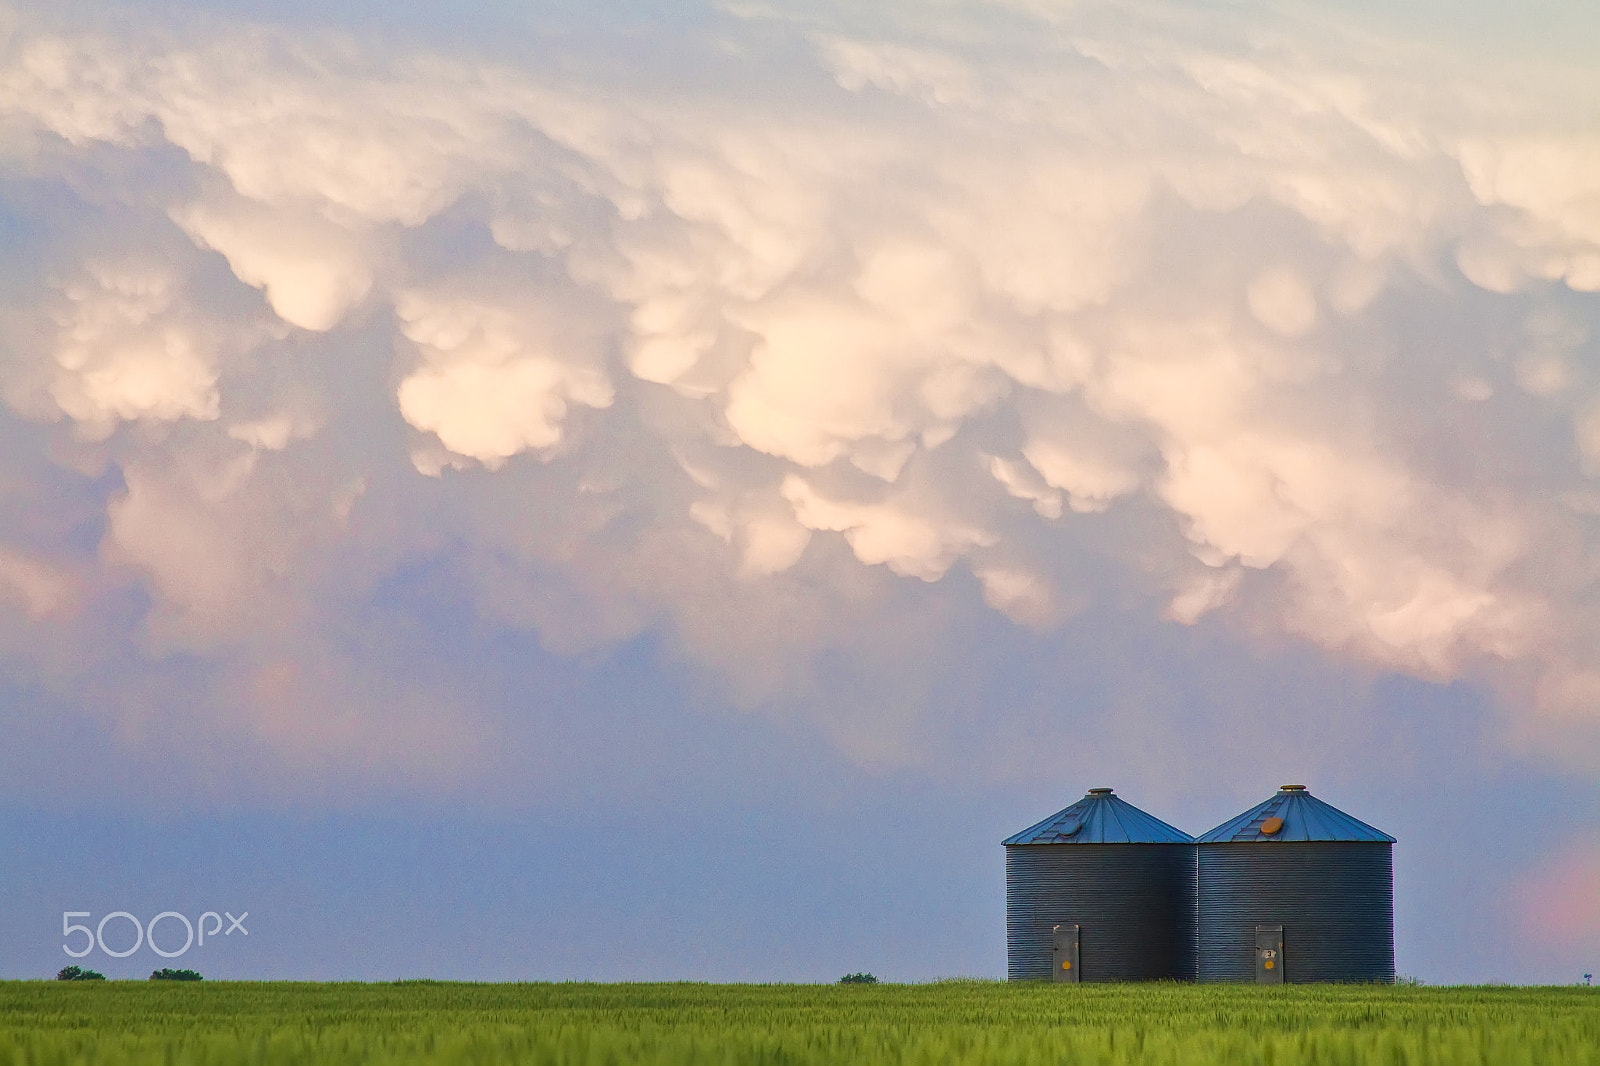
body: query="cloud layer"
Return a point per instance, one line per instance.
(1109, 308)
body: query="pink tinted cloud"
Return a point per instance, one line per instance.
(1559, 904)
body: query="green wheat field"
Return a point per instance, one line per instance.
(172, 1023)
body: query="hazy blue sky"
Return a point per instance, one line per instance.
(659, 491)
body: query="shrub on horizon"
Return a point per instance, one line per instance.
(165, 974)
(78, 973)
(858, 979)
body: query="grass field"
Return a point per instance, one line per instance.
(47, 1023)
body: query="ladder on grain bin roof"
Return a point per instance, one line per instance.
(1100, 818)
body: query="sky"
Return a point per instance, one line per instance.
(659, 491)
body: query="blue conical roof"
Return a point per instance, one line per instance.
(1304, 818)
(1100, 818)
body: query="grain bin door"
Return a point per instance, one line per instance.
(1064, 953)
(1269, 954)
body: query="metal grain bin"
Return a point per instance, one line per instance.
(1296, 890)
(1101, 891)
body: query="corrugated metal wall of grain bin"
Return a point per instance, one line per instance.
(1327, 878)
(1127, 879)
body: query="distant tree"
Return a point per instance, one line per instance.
(78, 973)
(165, 974)
(858, 979)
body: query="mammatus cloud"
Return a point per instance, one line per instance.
(495, 381)
(1281, 319)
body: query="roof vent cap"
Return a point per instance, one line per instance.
(1099, 792)
(1292, 788)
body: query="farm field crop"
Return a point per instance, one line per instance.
(45, 1023)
